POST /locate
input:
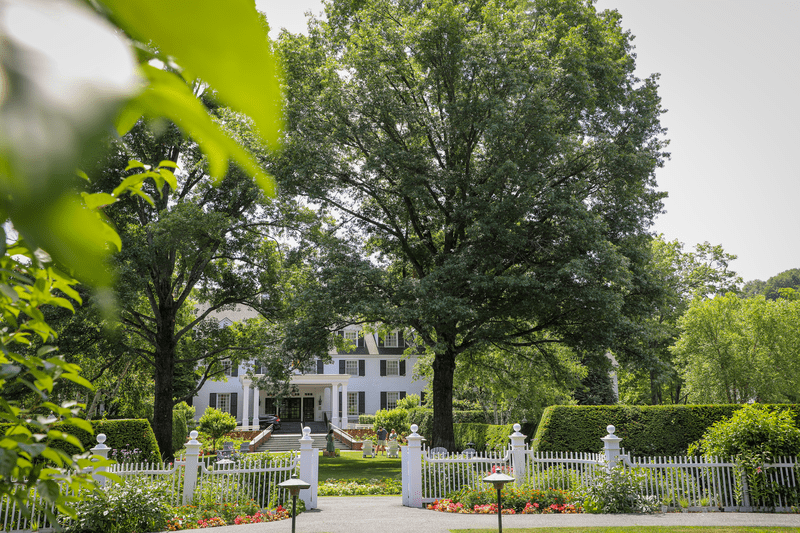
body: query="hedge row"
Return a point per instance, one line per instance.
(128, 434)
(423, 417)
(645, 430)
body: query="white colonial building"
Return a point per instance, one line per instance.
(372, 376)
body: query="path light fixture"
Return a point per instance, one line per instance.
(294, 486)
(498, 480)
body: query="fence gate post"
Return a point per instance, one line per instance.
(611, 447)
(309, 469)
(414, 466)
(102, 450)
(190, 469)
(518, 455)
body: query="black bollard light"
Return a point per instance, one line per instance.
(294, 486)
(498, 480)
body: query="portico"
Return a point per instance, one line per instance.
(313, 396)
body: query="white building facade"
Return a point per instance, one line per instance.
(371, 376)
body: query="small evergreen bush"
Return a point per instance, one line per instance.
(216, 424)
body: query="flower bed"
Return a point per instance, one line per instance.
(516, 500)
(449, 506)
(187, 518)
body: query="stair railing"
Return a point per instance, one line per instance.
(260, 439)
(343, 436)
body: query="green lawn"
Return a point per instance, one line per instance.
(637, 529)
(350, 465)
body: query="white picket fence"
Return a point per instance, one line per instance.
(226, 481)
(694, 482)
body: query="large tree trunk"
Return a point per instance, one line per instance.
(165, 372)
(444, 366)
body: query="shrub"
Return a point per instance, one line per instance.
(216, 424)
(645, 430)
(755, 436)
(482, 436)
(750, 430)
(120, 434)
(180, 429)
(396, 419)
(366, 419)
(135, 506)
(409, 402)
(619, 491)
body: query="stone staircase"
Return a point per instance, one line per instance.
(282, 442)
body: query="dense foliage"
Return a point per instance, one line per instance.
(436, 132)
(216, 424)
(736, 349)
(751, 430)
(645, 430)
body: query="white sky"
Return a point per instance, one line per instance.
(730, 80)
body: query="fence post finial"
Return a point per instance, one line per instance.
(518, 455)
(309, 471)
(102, 450)
(414, 466)
(611, 447)
(190, 470)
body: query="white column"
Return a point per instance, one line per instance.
(414, 466)
(256, 402)
(611, 447)
(245, 414)
(190, 470)
(345, 405)
(102, 450)
(309, 469)
(518, 455)
(335, 404)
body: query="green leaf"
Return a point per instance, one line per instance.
(242, 70)
(93, 201)
(75, 378)
(136, 164)
(80, 422)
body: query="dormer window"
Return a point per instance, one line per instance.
(350, 335)
(392, 340)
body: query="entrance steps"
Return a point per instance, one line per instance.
(282, 442)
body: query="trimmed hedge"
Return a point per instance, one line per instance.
(645, 430)
(120, 434)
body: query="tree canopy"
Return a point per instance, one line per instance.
(490, 165)
(736, 350)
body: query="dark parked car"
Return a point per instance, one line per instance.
(265, 420)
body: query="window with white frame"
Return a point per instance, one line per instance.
(392, 368)
(352, 403)
(224, 402)
(392, 340)
(227, 368)
(350, 335)
(391, 400)
(351, 367)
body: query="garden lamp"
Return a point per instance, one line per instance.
(294, 486)
(498, 480)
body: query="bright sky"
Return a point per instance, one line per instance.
(730, 80)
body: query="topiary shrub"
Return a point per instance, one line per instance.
(120, 434)
(645, 430)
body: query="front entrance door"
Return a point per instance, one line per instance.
(308, 409)
(290, 410)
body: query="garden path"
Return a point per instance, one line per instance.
(368, 514)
